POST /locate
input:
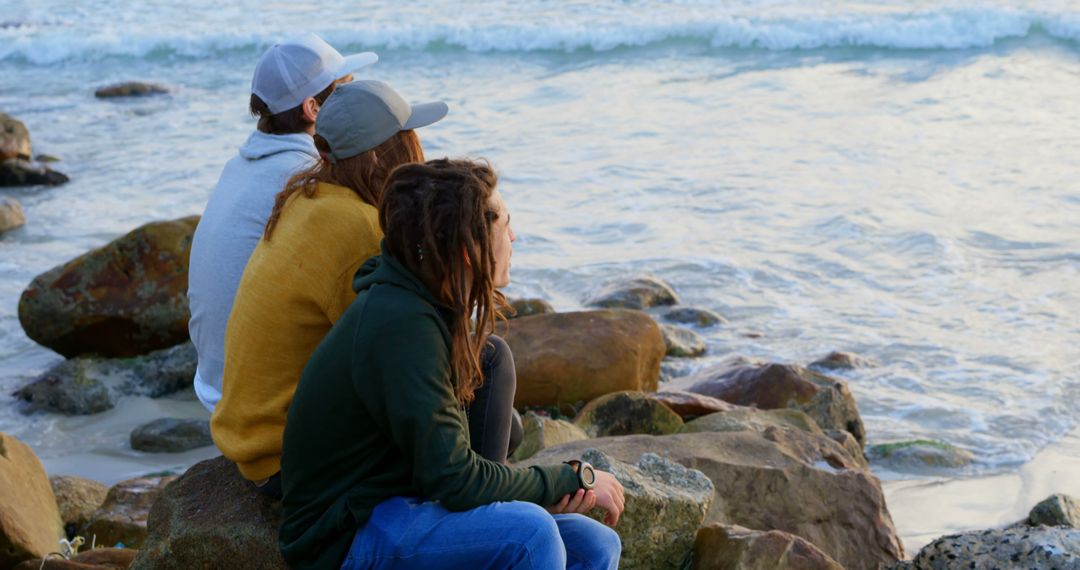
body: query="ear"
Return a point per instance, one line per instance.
(310, 107)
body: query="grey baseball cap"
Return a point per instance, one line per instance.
(301, 67)
(361, 115)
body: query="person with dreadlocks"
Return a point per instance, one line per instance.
(298, 282)
(377, 466)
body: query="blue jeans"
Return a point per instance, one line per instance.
(407, 533)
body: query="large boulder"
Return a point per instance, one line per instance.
(579, 356)
(1022, 547)
(212, 518)
(777, 479)
(638, 293)
(171, 435)
(919, 455)
(77, 499)
(11, 215)
(85, 385)
(665, 504)
(121, 519)
(682, 342)
(690, 405)
(20, 172)
(771, 386)
(30, 525)
(96, 559)
(541, 432)
(733, 547)
(126, 298)
(14, 138)
(1056, 510)
(626, 413)
(130, 89)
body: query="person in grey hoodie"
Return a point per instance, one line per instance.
(291, 82)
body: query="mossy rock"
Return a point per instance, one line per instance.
(626, 413)
(920, 453)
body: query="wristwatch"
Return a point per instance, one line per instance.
(586, 475)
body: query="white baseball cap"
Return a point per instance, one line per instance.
(299, 68)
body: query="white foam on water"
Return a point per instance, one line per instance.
(91, 35)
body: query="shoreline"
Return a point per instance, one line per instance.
(923, 510)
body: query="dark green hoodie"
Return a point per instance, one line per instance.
(375, 416)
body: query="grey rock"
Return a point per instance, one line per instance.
(1042, 547)
(11, 215)
(843, 361)
(21, 172)
(694, 316)
(171, 435)
(88, 385)
(1056, 510)
(639, 293)
(541, 432)
(682, 342)
(665, 505)
(131, 89)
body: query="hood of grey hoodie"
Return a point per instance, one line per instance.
(261, 145)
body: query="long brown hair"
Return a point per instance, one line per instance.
(430, 215)
(365, 174)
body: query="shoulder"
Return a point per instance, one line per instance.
(392, 313)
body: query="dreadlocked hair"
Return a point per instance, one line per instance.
(437, 219)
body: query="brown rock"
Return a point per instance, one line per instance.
(769, 386)
(77, 499)
(690, 405)
(528, 308)
(737, 548)
(130, 89)
(96, 559)
(779, 479)
(30, 524)
(574, 357)
(14, 138)
(126, 298)
(11, 215)
(626, 413)
(842, 361)
(121, 519)
(212, 518)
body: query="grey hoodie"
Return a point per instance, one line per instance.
(229, 230)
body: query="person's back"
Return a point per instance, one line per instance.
(228, 232)
(291, 81)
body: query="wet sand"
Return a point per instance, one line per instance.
(926, 509)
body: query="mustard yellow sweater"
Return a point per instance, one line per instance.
(295, 287)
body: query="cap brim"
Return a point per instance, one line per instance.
(356, 62)
(425, 114)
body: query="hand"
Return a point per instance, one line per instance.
(609, 496)
(580, 502)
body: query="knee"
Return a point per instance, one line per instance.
(591, 542)
(541, 544)
(497, 354)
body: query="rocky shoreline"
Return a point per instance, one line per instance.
(746, 464)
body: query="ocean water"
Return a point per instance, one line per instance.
(895, 179)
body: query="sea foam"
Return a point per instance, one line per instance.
(947, 28)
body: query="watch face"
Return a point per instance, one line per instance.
(588, 476)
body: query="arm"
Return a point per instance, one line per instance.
(406, 372)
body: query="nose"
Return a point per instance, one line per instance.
(513, 236)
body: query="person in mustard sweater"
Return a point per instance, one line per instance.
(298, 282)
(377, 468)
